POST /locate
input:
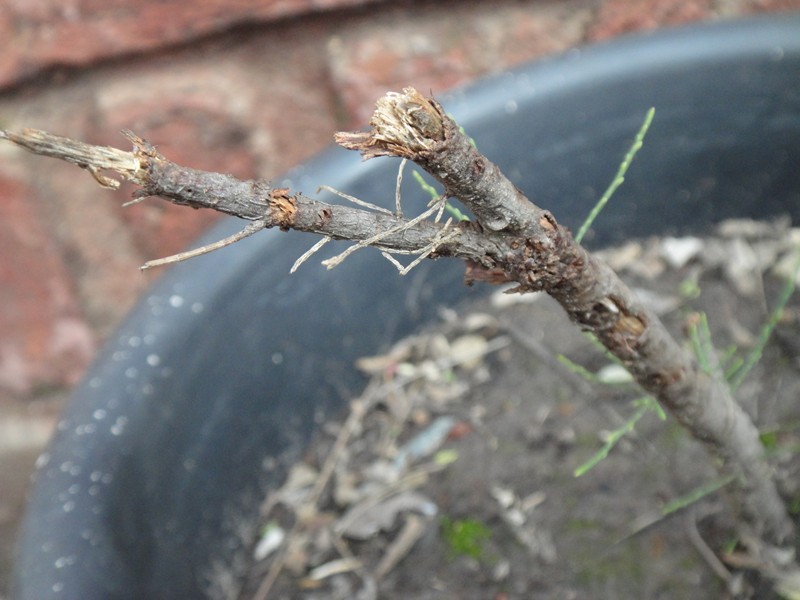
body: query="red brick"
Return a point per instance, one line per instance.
(435, 48)
(188, 132)
(252, 110)
(47, 33)
(616, 17)
(45, 342)
(754, 6)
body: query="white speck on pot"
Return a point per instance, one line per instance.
(153, 360)
(119, 425)
(277, 358)
(100, 414)
(86, 429)
(42, 460)
(64, 561)
(69, 506)
(511, 107)
(119, 356)
(176, 301)
(197, 308)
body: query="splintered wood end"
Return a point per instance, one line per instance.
(404, 124)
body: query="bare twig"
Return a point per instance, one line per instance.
(377, 239)
(308, 254)
(176, 258)
(354, 200)
(254, 200)
(398, 208)
(715, 564)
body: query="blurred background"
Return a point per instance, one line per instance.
(248, 87)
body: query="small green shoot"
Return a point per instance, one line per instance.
(579, 370)
(465, 537)
(427, 187)
(696, 494)
(463, 132)
(445, 457)
(794, 506)
(729, 361)
(644, 405)
(599, 346)
(619, 178)
(700, 337)
(734, 367)
(738, 375)
(769, 439)
(689, 289)
(613, 374)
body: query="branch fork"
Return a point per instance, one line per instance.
(511, 240)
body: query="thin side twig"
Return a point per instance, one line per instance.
(182, 256)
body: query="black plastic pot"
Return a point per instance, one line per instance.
(215, 382)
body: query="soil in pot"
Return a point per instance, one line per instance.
(452, 476)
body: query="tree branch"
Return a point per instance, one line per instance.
(512, 240)
(540, 254)
(254, 200)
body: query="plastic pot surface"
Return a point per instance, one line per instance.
(215, 382)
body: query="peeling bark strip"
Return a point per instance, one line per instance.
(512, 240)
(540, 254)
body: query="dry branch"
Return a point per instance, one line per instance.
(540, 254)
(513, 240)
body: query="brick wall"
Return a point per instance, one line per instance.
(247, 87)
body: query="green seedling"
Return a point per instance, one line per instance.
(431, 191)
(619, 178)
(580, 370)
(738, 375)
(643, 405)
(696, 494)
(700, 338)
(465, 537)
